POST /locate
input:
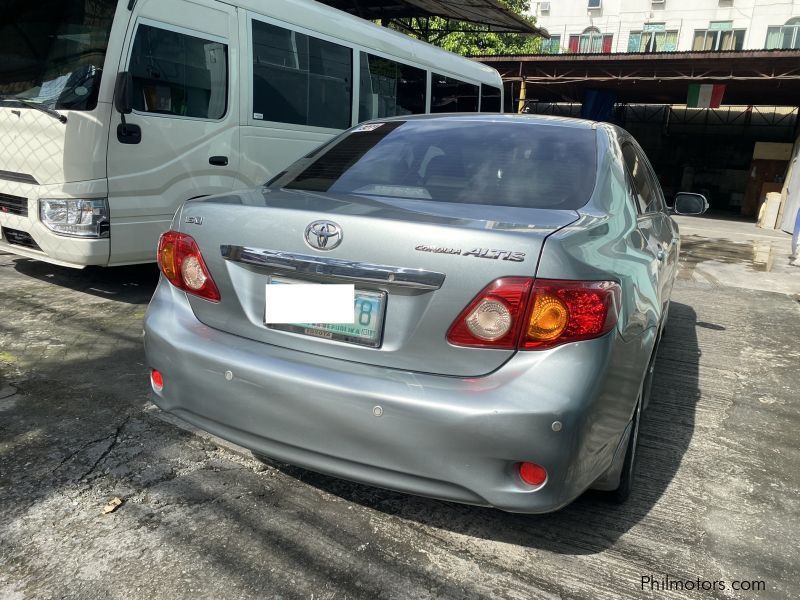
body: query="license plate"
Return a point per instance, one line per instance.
(367, 327)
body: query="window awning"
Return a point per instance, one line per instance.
(490, 13)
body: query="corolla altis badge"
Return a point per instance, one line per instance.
(489, 253)
(323, 235)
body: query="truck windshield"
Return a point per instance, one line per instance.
(52, 51)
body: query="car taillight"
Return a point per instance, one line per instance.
(568, 311)
(495, 317)
(516, 312)
(182, 264)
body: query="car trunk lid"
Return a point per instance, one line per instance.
(427, 260)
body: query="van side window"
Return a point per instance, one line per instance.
(452, 95)
(490, 99)
(178, 74)
(390, 88)
(643, 180)
(300, 79)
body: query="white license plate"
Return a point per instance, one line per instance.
(364, 326)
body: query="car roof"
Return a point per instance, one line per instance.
(498, 118)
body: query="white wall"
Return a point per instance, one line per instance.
(619, 17)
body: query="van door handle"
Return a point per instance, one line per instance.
(129, 133)
(218, 161)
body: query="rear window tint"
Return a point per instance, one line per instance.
(471, 162)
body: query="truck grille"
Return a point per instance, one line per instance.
(15, 205)
(19, 238)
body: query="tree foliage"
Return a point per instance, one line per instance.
(471, 39)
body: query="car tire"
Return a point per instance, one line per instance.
(665, 319)
(623, 491)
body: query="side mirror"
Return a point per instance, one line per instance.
(690, 204)
(123, 93)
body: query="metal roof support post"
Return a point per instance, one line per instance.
(522, 96)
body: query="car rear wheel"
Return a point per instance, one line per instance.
(665, 319)
(623, 491)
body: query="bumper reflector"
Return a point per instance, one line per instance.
(156, 380)
(532, 474)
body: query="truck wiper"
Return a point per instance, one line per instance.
(36, 106)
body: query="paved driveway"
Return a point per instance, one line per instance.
(717, 501)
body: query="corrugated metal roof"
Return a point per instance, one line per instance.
(491, 13)
(752, 77)
(659, 56)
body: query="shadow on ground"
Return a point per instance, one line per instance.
(130, 284)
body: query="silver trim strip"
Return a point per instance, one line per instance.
(335, 267)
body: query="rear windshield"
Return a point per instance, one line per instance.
(509, 163)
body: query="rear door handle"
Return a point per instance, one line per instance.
(218, 161)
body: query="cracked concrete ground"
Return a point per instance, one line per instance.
(718, 480)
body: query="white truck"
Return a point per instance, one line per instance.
(112, 113)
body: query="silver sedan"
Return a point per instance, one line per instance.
(466, 307)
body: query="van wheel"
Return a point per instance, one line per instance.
(623, 491)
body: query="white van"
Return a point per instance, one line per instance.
(218, 96)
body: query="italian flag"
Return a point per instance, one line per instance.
(705, 95)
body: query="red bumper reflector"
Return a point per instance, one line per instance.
(532, 474)
(156, 380)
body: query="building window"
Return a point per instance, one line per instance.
(594, 4)
(389, 88)
(552, 46)
(178, 74)
(300, 79)
(786, 37)
(719, 36)
(653, 38)
(591, 41)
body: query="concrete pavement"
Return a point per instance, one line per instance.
(735, 253)
(717, 498)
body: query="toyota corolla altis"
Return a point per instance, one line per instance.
(465, 307)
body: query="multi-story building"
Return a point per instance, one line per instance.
(595, 26)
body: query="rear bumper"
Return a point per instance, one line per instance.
(445, 437)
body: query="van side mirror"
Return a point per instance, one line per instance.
(123, 93)
(690, 204)
(123, 102)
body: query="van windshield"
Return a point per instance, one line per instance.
(52, 51)
(507, 162)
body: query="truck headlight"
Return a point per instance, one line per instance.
(78, 218)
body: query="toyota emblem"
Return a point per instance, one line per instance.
(323, 235)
